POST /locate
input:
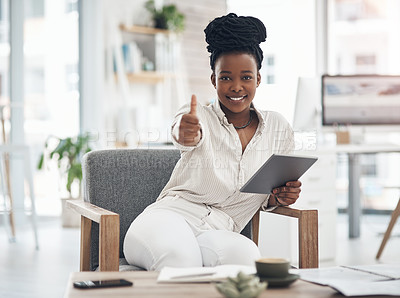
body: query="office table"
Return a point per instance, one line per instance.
(353, 151)
(145, 285)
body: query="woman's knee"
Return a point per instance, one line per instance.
(224, 247)
(162, 238)
(174, 255)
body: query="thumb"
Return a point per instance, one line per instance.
(193, 105)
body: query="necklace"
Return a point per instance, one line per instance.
(247, 124)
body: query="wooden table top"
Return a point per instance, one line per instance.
(145, 285)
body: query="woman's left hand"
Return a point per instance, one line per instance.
(288, 194)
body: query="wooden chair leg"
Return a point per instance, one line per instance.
(308, 239)
(86, 229)
(308, 233)
(108, 235)
(8, 183)
(395, 215)
(109, 243)
(255, 225)
(7, 169)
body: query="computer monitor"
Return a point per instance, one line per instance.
(308, 104)
(306, 118)
(360, 100)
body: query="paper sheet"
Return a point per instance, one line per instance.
(361, 288)
(378, 279)
(389, 270)
(202, 274)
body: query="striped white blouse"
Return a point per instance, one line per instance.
(213, 171)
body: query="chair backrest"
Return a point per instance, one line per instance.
(126, 181)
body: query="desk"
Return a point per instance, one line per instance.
(145, 285)
(353, 152)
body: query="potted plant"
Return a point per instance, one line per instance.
(168, 17)
(67, 153)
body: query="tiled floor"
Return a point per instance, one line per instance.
(25, 272)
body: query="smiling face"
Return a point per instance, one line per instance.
(236, 78)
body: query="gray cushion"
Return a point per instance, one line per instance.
(126, 181)
(124, 266)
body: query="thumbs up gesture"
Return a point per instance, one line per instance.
(189, 129)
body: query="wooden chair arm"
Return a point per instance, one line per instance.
(308, 233)
(108, 235)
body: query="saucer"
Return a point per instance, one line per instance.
(280, 281)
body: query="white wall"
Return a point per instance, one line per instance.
(196, 58)
(134, 111)
(291, 39)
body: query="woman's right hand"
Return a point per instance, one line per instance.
(189, 128)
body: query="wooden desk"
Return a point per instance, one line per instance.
(353, 152)
(145, 285)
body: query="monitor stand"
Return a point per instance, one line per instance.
(357, 135)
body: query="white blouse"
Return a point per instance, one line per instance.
(213, 171)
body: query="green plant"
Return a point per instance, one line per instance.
(168, 17)
(242, 286)
(68, 153)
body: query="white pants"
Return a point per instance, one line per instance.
(176, 232)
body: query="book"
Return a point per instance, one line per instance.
(202, 274)
(132, 57)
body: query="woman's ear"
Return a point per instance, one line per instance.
(258, 78)
(213, 80)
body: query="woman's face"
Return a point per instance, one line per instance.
(236, 78)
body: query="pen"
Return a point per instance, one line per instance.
(193, 275)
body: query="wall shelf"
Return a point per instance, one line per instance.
(143, 30)
(149, 70)
(146, 77)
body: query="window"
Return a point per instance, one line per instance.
(365, 64)
(353, 10)
(71, 6)
(34, 8)
(270, 60)
(268, 70)
(51, 99)
(363, 36)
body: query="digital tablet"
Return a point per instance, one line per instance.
(276, 171)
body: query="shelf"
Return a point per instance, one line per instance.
(143, 30)
(147, 77)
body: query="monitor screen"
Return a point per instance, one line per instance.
(360, 100)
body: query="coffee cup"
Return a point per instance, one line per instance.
(272, 267)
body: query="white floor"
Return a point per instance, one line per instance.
(363, 250)
(26, 272)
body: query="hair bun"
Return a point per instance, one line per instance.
(232, 31)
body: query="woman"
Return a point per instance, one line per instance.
(197, 218)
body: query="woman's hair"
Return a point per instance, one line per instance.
(232, 33)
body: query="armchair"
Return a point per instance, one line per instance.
(120, 183)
